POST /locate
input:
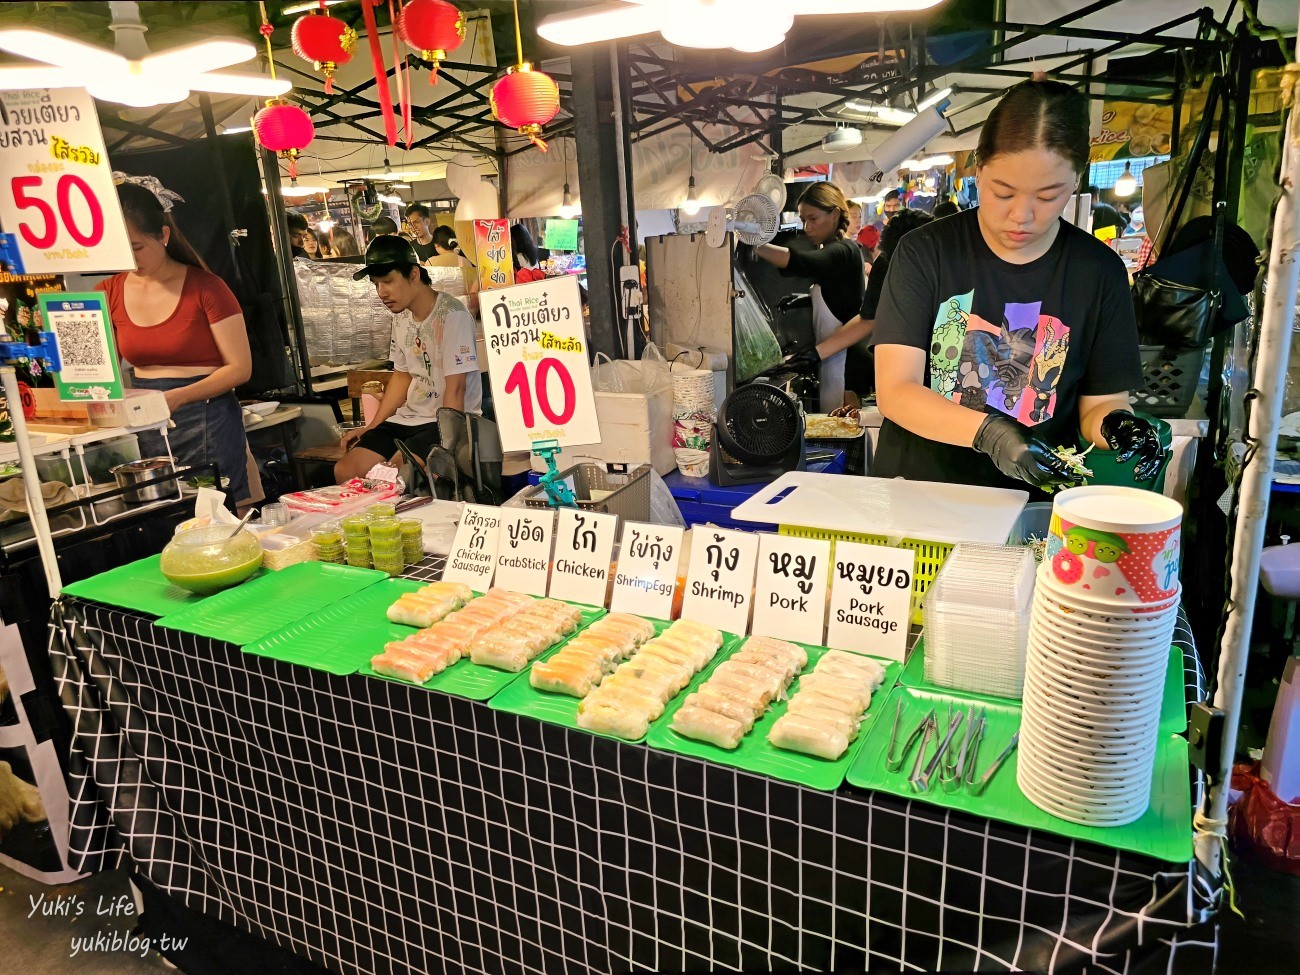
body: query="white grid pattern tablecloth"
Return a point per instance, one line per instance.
(375, 827)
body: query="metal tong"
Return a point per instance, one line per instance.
(950, 773)
(977, 787)
(920, 777)
(895, 762)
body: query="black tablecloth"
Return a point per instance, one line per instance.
(376, 827)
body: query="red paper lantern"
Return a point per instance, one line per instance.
(432, 27)
(526, 100)
(325, 41)
(284, 128)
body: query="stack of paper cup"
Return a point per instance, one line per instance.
(1105, 606)
(693, 415)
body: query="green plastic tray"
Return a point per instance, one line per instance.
(1173, 712)
(1164, 832)
(470, 680)
(522, 698)
(138, 586)
(755, 754)
(340, 639)
(261, 606)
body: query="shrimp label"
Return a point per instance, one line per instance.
(871, 599)
(720, 578)
(584, 548)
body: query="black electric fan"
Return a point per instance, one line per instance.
(758, 436)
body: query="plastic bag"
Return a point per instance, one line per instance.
(663, 506)
(649, 374)
(1262, 823)
(756, 348)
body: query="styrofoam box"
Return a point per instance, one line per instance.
(136, 408)
(635, 428)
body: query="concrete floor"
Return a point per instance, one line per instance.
(52, 945)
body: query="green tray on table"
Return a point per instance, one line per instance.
(1164, 831)
(522, 698)
(138, 586)
(755, 754)
(477, 683)
(1173, 712)
(262, 606)
(341, 638)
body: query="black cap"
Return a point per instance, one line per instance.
(384, 253)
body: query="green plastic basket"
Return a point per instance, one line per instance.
(930, 556)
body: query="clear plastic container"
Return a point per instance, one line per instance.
(385, 529)
(382, 509)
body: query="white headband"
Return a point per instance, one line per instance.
(150, 183)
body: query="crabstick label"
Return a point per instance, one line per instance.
(720, 578)
(790, 589)
(647, 570)
(473, 552)
(524, 549)
(871, 599)
(584, 548)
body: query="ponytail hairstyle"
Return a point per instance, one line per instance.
(1038, 114)
(445, 238)
(827, 196)
(143, 211)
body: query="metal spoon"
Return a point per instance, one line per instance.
(240, 526)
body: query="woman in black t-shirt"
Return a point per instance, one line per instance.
(1004, 331)
(835, 266)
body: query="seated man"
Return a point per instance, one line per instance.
(435, 361)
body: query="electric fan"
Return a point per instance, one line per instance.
(758, 436)
(754, 219)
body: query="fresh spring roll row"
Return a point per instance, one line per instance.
(592, 655)
(826, 711)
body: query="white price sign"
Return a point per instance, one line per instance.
(58, 204)
(871, 599)
(720, 578)
(474, 549)
(790, 591)
(584, 544)
(524, 549)
(647, 570)
(537, 361)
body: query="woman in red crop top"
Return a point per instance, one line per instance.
(182, 330)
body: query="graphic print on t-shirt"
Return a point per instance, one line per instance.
(1014, 368)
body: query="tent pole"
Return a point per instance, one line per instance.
(1256, 479)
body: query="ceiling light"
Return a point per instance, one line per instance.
(604, 23)
(569, 209)
(130, 74)
(294, 189)
(886, 113)
(388, 198)
(302, 8)
(934, 98)
(233, 129)
(691, 205)
(1127, 184)
(327, 224)
(839, 140)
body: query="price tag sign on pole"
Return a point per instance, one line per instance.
(524, 549)
(80, 323)
(474, 549)
(584, 544)
(537, 360)
(647, 570)
(720, 579)
(790, 591)
(58, 203)
(871, 599)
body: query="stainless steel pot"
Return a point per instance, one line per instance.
(138, 471)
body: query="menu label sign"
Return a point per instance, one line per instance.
(720, 578)
(871, 599)
(474, 549)
(647, 570)
(790, 590)
(584, 545)
(524, 549)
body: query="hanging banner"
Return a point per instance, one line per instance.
(584, 544)
(1131, 130)
(89, 368)
(537, 361)
(524, 549)
(58, 204)
(496, 268)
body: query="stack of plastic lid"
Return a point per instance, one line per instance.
(1103, 621)
(977, 615)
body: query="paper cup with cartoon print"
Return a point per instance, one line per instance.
(1115, 545)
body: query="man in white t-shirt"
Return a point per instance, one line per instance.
(435, 361)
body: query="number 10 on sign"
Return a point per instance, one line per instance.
(537, 358)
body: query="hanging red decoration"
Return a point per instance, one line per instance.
(526, 100)
(284, 128)
(325, 41)
(435, 28)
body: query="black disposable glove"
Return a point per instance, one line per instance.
(1017, 453)
(1133, 438)
(794, 301)
(803, 359)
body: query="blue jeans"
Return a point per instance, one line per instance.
(209, 431)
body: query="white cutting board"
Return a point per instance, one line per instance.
(893, 507)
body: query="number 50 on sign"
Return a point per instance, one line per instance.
(537, 359)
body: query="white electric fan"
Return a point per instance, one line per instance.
(754, 219)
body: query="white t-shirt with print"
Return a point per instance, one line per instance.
(440, 346)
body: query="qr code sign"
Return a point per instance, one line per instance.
(81, 343)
